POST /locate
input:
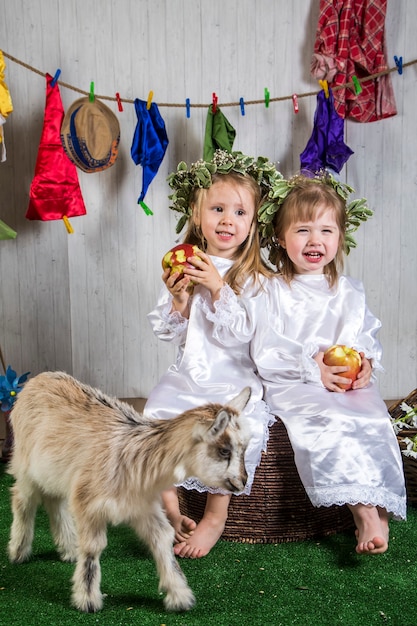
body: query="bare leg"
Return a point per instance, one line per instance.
(372, 528)
(183, 526)
(208, 531)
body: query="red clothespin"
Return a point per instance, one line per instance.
(188, 107)
(295, 102)
(55, 78)
(119, 102)
(266, 97)
(149, 101)
(324, 85)
(399, 64)
(242, 106)
(214, 102)
(357, 85)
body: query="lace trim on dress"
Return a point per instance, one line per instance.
(223, 307)
(360, 494)
(174, 321)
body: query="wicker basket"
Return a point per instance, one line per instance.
(409, 463)
(278, 509)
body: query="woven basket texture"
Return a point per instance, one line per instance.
(277, 509)
(409, 463)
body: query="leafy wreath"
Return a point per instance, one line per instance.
(274, 189)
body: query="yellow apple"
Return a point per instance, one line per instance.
(342, 355)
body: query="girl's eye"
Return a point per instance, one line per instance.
(240, 212)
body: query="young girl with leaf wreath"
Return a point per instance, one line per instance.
(345, 448)
(219, 200)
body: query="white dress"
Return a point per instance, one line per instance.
(205, 370)
(344, 445)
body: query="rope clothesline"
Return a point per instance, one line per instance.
(307, 94)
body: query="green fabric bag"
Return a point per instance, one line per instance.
(219, 134)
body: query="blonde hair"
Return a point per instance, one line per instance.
(248, 261)
(307, 199)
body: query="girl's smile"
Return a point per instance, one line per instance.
(313, 244)
(226, 216)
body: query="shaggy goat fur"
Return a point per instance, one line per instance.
(93, 460)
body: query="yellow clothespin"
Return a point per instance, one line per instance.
(323, 84)
(68, 226)
(149, 102)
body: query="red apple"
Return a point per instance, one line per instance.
(176, 258)
(342, 355)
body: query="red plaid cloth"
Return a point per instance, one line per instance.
(350, 41)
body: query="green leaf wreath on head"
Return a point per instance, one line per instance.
(199, 175)
(357, 211)
(274, 189)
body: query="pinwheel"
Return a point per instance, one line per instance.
(10, 385)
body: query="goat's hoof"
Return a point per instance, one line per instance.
(176, 602)
(18, 556)
(88, 605)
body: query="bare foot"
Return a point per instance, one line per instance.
(184, 527)
(372, 529)
(206, 535)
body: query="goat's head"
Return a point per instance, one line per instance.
(221, 436)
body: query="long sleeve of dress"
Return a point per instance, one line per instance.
(300, 320)
(166, 324)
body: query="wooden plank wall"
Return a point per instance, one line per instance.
(79, 302)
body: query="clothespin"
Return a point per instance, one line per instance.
(399, 64)
(55, 78)
(214, 102)
(266, 97)
(325, 86)
(119, 102)
(357, 85)
(295, 102)
(68, 226)
(91, 91)
(242, 106)
(145, 208)
(149, 101)
(188, 107)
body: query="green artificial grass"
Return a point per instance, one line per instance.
(318, 583)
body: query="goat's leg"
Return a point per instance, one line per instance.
(92, 539)
(25, 501)
(153, 527)
(62, 527)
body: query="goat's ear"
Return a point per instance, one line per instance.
(220, 423)
(240, 401)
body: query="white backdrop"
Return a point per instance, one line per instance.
(79, 302)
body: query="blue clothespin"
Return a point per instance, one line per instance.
(188, 107)
(242, 106)
(57, 73)
(399, 64)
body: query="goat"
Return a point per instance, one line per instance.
(92, 460)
